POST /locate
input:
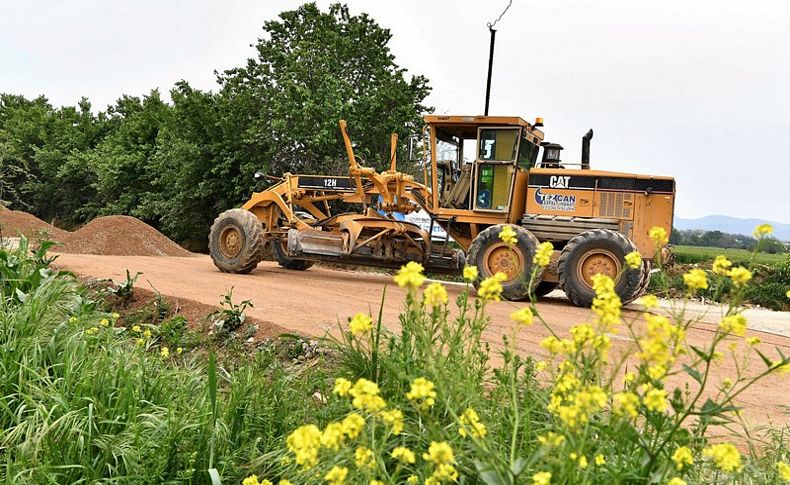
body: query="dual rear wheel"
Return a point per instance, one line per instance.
(592, 252)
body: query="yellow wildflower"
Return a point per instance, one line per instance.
(337, 475)
(394, 418)
(304, 442)
(470, 273)
(735, 324)
(600, 460)
(115, 316)
(633, 260)
(541, 478)
(650, 301)
(363, 457)
(376, 482)
(251, 480)
(366, 396)
(682, 457)
(540, 365)
(361, 323)
(656, 400)
(73, 320)
(352, 425)
(658, 235)
(721, 265)
(164, 352)
(626, 403)
(179, 350)
(784, 471)
(332, 437)
(92, 331)
(740, 275)
(435, 295)
(342, 386)
(551, 439)
(508, 236)
(491, 288)
(696, 279)
(403, 455)
(439, 453)
(787, 294)
(422, 393)
(762, 230)
(523, 316)
(442, 473)
(606, 304)
(470, 419)
(582, 461)
(147, 334)
(781, 368)
(412, 480)
(752, 340)
(140, 342)
(543, 254)
(725, 456)
(677, 481)
(410, 275)
(136, 329)
(726, 383)
(284, 482)
(104, 322)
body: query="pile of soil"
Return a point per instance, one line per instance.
(109, 235)
(120, 236)
(17, 222)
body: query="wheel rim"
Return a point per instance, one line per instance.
(501, 258)
(230, 242)
(598, 261)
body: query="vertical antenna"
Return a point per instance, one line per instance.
(491, 29)
(490, 67)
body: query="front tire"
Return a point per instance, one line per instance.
(235, 241)
(491, 255)
(593, 252)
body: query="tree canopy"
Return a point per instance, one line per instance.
(176, 164)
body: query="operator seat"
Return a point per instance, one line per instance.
(458, 196)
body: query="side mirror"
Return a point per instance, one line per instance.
(414, 141)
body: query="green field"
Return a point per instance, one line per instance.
(698, 254)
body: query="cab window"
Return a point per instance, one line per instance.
(498, 145)
(493, 187)
(527, 154)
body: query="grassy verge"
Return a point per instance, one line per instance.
(96, 397)
(771, 276)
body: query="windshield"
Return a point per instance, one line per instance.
(498, 144)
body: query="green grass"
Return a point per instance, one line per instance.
(699, 254)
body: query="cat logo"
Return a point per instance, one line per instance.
(559, 182)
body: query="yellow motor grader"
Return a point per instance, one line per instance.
(479, 174)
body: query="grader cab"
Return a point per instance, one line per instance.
(479, 174)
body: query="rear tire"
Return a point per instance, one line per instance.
(491, 255)
(235, 241)
(598, 251)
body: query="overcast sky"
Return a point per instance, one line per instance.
(699, 90)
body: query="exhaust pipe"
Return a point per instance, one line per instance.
(586, 150)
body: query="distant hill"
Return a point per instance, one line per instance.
(732, 225)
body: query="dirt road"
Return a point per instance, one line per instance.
(314, 301)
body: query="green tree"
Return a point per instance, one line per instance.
(313, 69)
